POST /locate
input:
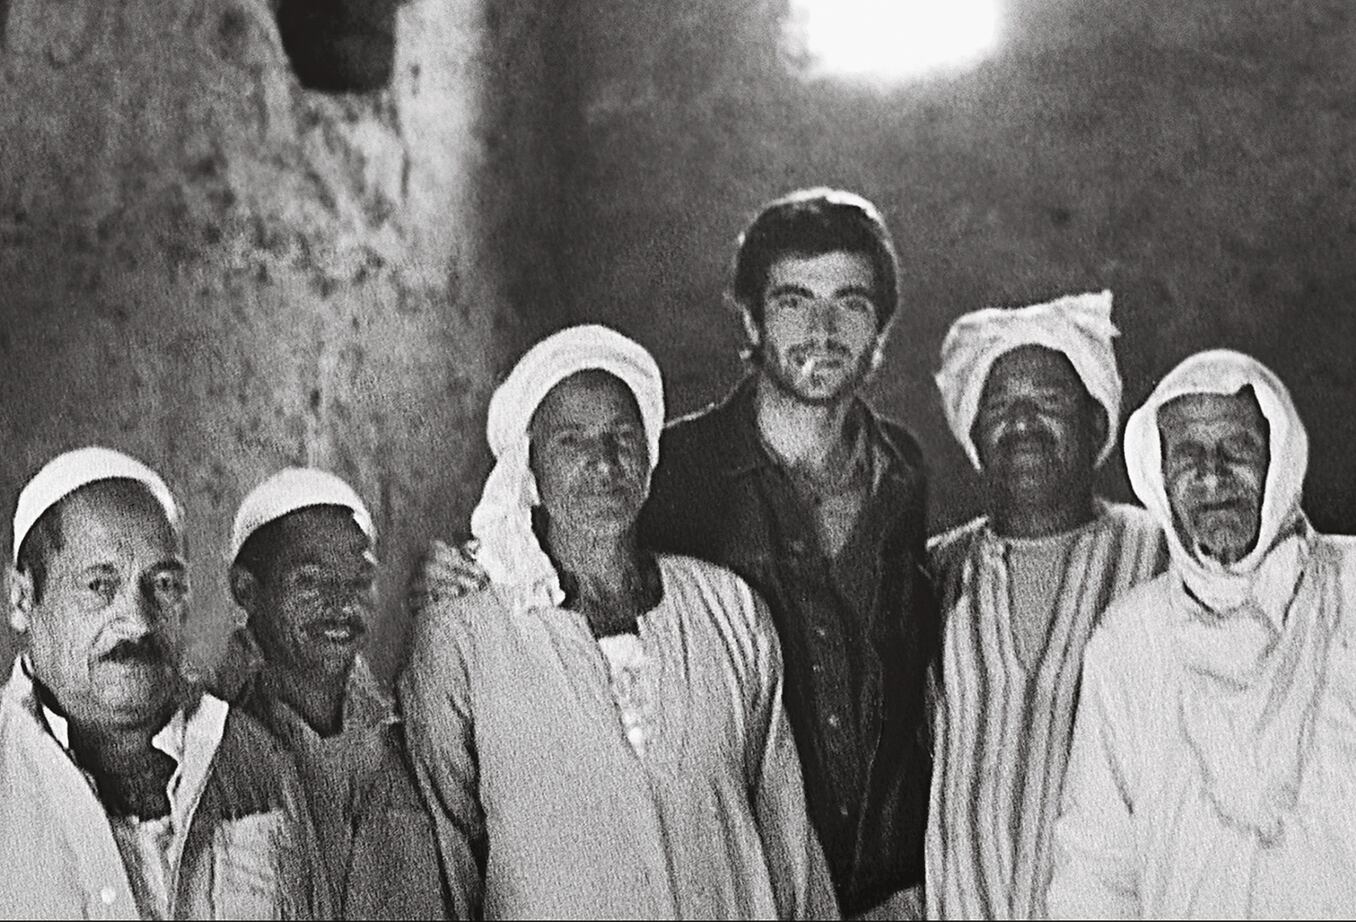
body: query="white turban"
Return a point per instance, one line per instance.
(1255, 663)
(1222, 371)
(289, 490)
(1079, 326)
(66, 473)
(502, 521)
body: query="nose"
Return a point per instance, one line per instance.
(607, 453)
(1023, 416)
(1213, 471)
(141, 609)
(824, 318)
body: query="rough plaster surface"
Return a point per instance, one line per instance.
(205, 265)
(222, 273)
(1195, 156)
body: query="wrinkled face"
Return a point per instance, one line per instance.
(589, 452)
(105, 638)
(818, 337)
(313, 606)
(1037, 427)
(1216, 450)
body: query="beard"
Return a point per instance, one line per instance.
(815, 375)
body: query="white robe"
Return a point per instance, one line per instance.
(1139, 835)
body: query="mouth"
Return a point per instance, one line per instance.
(142, 651)
(819, 363)
(337, 631)
(1231, 506)
(1027, 444)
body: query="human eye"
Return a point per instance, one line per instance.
(1243, 448)
(307, 580)
(104, 586)
(789, 301)
(857, 304)
(1056, 401)
(170, 587)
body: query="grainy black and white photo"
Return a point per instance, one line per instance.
(708, 459)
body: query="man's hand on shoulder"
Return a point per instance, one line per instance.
(446, 572)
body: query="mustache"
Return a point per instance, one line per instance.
(354, 623)
(1238, 503)
(1012, 437)
(151, 649)
(801, 353)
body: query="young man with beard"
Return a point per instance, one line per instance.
(1033, 395)
(125, 792)
(304, 572)
(797, 486)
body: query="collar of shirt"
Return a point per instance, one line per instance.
(366, 706)
(190, 738)
(745, 451)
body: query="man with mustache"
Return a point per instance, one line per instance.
(1211, 772)
(304, 573)
(795, 484)
(128, 793)
(1033, 395)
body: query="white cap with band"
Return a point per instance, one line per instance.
(290, 490)
(68, 472)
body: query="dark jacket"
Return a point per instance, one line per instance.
(857, 634)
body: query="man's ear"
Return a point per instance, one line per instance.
(751, 328)
(244, 588)
(22, 598)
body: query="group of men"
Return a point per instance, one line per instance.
(717, 669)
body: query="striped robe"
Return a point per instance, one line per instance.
(1003, 734)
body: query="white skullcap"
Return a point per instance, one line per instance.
(1079, 326)
(502, 521)
(289, 490)
(66, 473)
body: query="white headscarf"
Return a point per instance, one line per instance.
(1252, 636)
(502, 521)
(1079, 326)
(68, 472)
(1221, 371)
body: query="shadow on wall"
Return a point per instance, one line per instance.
(1193, 157)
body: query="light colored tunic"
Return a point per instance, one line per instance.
(238, 841)
(1006, 712)
(546, 807)
(1139, 835)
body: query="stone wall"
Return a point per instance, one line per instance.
(1194, 156)
(216, 270)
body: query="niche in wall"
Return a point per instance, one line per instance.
(340, 46)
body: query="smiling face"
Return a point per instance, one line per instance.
(819, 334)
(1037, 430)
(310, 602)
(1216, 451)
(589, 452)
(104, 636)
